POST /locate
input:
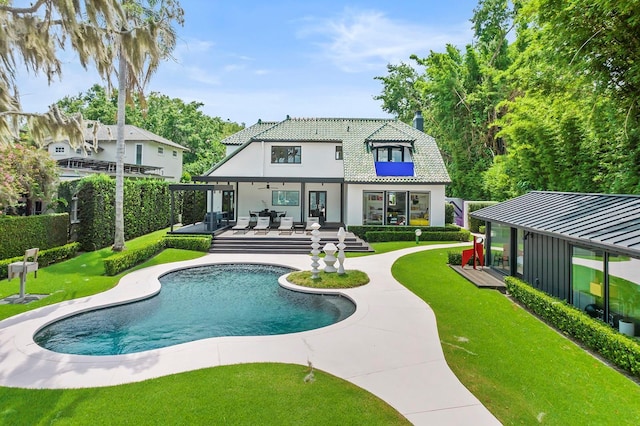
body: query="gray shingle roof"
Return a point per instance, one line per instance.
(602, 220)
(354, 133)
(108, 132)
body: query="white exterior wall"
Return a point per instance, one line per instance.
(171, 166)
(317, 160)
(354, 195)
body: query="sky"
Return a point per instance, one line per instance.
(251, 60)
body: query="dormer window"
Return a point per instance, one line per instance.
(393, 158)
(395, 154)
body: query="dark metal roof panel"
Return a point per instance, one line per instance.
(601, 220)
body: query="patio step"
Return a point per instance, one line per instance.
(279, 244)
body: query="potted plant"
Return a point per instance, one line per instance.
(626, 324)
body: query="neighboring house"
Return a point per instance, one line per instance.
(146, 155)
(343, 170)
(582, 248)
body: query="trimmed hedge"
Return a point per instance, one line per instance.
(449, 211)
(621, 350)
(45, 257)
(199, 243)
(361, 230)
(23, 232)
(146, 208)
(380, 236)
(474, 224)
(124, 260)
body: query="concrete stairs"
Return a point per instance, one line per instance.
(279, 244)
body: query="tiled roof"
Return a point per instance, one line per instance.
(108, 132)
(247, 133)
(353, 133)
(602, 220)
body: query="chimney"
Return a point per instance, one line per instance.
(418, 121)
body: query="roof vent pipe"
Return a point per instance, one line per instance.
(418, 121)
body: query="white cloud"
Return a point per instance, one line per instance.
(364, 40)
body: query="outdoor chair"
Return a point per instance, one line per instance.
(310, 221)
(242, 225)
(262, 225)
(23, 267)
(286, 225)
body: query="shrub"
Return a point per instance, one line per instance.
(45, 257)
(146, 208)
(23, 232)
(196, 243)
(448, 213)
(126, 259)
(474, 224)
(621, 350)
(380, 236)
(361, 230)
(482, 229)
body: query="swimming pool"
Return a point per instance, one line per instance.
(197, 303)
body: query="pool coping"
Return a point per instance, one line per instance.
(388, 346)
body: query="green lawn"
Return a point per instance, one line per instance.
(244, 394)
(80, 276)
(521, 369)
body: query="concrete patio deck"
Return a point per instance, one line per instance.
(389, 346)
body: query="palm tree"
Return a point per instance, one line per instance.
(145, 38)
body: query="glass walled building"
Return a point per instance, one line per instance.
(582, 248)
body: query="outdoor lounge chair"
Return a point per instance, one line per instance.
(262, 225)
(310, 221)
(242, 224)
(286, 225)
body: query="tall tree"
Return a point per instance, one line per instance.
(145, 37)
(171, 118)
(32, 37)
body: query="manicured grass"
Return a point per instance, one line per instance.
(522, 370)
(350, 279)
(81, 276)
(249, 394)
(243, 394)
(386, 247)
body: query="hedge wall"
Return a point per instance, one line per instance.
(19, 233)
(381, 236)
(147, 208)
(474, 224)
(361, 230)
(45, 257)
(621, 350)
(194, 206)
(449, 212)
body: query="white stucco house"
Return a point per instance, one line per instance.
(344, 170)
(146, 155)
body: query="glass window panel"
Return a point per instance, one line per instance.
(419, 209)
(372, 208)
(587, 281)
(396, 208)
(500, 250)
(624, 290)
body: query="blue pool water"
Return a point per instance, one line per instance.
(197, 303)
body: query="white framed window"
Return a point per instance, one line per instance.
(73, 210)
(160, 150)
(138, 154)
(59, 150)
(338, 152)
(175, 153)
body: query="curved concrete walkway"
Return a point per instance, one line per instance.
(389, 346)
